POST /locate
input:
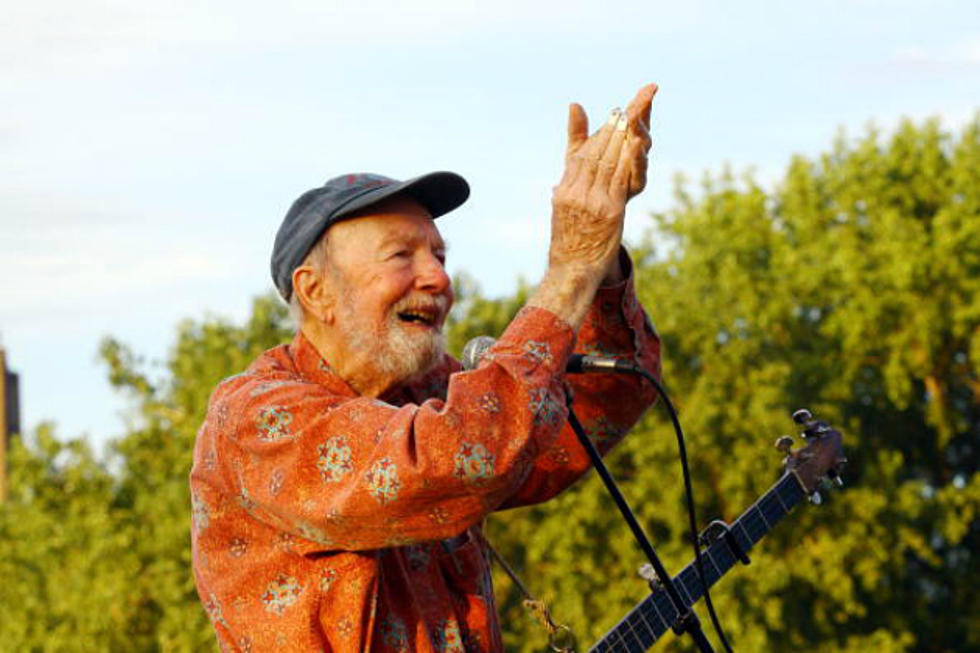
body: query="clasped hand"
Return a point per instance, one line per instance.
(602, 172)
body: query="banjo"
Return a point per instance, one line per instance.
(725, 545)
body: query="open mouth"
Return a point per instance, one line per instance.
(419, 316)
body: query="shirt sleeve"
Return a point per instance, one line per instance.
(358, 473)
(607, 404)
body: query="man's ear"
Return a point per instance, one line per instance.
(312, 291)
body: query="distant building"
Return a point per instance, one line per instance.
(9, 416)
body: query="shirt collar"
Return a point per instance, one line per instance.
(312, 366)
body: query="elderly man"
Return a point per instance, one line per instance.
(340, 482)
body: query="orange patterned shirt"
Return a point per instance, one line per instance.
(328, 521)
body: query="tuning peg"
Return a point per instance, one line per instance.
(784, 444)
(802, 416)
(831, 482)
(816, 499)
(646, 572)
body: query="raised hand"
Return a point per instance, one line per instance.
(602, 172)
(638, 120)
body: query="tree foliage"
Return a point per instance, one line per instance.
(96, 555)
(851, 289)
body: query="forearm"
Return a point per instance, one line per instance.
(567, 293)
(607, 404)
(570, 293)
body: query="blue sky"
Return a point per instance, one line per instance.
(148, 150)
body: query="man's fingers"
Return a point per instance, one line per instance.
(650, 89)
(578, 128)
(640, 134)
(639, 107)
(625, 175)
(614, 149)
(597, 144)
(617, 149)
(602, 149)
(631, 168)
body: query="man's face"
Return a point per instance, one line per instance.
(393, 293)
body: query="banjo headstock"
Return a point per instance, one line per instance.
(822, 456)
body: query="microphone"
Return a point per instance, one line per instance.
(474, 351)
(577, 363)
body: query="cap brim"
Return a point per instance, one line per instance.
(438, 192)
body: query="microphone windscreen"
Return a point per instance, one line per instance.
(474, 351)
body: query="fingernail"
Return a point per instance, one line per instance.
(622, 123)
(614, 116)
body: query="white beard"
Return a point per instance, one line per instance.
(398, 351)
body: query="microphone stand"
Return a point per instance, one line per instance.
(687, 621)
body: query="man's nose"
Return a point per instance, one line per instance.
(431, 274)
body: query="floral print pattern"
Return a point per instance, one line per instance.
(439, 515)
(244, 499)
(327, 578)
(284, 540)
(334, 459)
(345, 627)
(602, 431)
(281, 593)
(200, 514)
(276, 480)
(213, 607)
(312, 533)
(490, 402)
(544, 408)
(262, 388)
(539, 352)
(238, 547)
(383, 480)
(473, 462)
(273, 423)
(447, 637)
(394, 634)
(221, 413)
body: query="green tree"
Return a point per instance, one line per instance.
(61, 555)
(474, 314)
(156, 458)
(852, 290)
(95, 555)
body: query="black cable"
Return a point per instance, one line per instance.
(578, 363)
(689, 492)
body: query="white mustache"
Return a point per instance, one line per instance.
(438, 304)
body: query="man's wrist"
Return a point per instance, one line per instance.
(567, 292)
(617, 271)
